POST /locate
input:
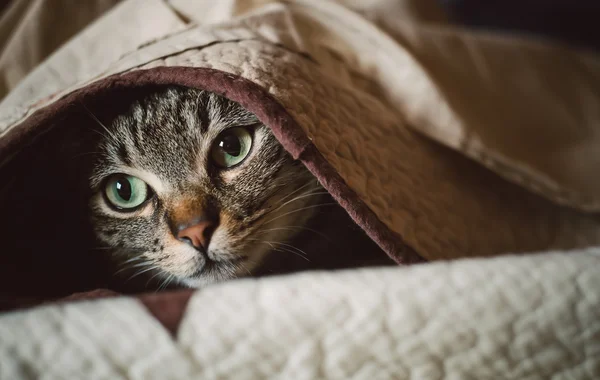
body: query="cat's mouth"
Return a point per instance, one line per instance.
(218, 266)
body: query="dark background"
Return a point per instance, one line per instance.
(576, 22)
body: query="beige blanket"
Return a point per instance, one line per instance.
(525, 109)
(439, 142)
(533, 317)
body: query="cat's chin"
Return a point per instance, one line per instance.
(195, 283)
(203, 280)
(216, 271)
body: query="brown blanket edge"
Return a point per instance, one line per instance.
(254, 98)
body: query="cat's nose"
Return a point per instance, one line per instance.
(197, 234)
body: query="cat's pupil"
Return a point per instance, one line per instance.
(124, 189)
(231, 145)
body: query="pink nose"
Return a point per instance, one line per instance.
(198, 235)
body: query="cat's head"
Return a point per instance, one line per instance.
(194, 187)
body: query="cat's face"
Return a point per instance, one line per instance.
(194, 187)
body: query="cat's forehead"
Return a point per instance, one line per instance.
(179, 114)
(169, 133)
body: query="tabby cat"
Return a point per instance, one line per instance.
(191, 188)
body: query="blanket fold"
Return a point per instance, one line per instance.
(505, 318)
(441, 143)
(321, 62)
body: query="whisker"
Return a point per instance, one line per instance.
(303, 255)
(134, 258)
(160, 287)
(121, 270)
(230, 271)
(259, 232)
(298, 210)
(304, 195)
(140, 265)
(292, 193)
(170, 281)
(292, 247)
(254, 263)
(266, 242)
(275, 207)
(108, 131)
(99, 133)
(127, 267)
(150, 279)
(166, 283)
(153, 267)
(293, 252)
(245, 268)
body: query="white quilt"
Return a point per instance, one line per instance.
(510, 317)
(528, 317)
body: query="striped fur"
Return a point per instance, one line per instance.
(165, 140)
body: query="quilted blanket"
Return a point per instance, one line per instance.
(471, 319)
(442, 144)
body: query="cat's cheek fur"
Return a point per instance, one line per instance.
(165, 139)
(246, 252)
(177, 259)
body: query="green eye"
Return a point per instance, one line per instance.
(231, 147)
(126, 192)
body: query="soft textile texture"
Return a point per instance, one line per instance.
(534, 317)
(441, 143)
(322, 63)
